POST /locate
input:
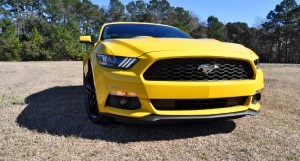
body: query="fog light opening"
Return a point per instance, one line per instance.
(123, 100)
(256, 98)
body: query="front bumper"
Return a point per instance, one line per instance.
(107, 80)
(174, 119)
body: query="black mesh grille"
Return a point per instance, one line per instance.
(188, 69)
(197, 104)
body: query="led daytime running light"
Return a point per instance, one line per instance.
(116, 62)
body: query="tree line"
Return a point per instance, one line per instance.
(50, 29)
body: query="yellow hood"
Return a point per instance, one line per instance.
(138, 46)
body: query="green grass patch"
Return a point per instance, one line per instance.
(11, 99)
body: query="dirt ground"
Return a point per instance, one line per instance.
(42, 117)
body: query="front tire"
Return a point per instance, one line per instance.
(91, 104)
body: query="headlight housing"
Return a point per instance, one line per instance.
(116, 62)
(256, 62)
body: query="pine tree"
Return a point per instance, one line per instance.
(215, 28)
(9, 41)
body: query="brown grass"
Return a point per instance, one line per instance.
(42, 117)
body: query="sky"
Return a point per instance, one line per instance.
(249, 11)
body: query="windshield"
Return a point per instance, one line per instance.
(119, 31)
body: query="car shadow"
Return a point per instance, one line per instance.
(60, 111)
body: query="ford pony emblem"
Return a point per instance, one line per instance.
(207, 68)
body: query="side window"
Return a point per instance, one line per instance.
(104, 33)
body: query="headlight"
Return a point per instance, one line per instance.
(256, 62)
(116, 61)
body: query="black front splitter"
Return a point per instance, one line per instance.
(172, 119)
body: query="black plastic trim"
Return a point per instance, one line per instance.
(197, 104)
(169, 119)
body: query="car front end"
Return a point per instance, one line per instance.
(171, 85)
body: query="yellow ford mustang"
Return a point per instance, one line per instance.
(142, 72)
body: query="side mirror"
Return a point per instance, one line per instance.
(86, 39)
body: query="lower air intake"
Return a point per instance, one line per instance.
(197, 104)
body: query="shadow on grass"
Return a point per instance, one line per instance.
(60, 111)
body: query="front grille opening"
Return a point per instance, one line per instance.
(188, 69)
(197, 104)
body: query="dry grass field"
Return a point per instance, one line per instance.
(42, 117)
